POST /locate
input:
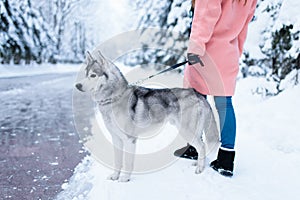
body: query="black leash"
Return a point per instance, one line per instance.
(161, 72)
(192, 59)
(170, 68)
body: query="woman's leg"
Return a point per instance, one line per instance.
(227, 121)
(224, 162)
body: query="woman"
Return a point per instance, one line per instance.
(218, 33)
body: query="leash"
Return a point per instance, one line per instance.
(192, 59)
(161, 72)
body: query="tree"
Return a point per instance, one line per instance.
(78, 42)
(23, 32)
(35, 32)
(172, 19)
(61, 11)
(277, 64)
(278, 56)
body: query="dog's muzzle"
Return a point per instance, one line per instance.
(79, 87)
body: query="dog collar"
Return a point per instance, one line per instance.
(110, 100)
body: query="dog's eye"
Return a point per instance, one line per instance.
(93, 75)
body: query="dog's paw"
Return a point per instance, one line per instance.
(199, 169)
(124, 179)
(115, 176)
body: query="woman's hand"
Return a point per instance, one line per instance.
(194, 59)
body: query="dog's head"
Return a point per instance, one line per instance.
(95, 74)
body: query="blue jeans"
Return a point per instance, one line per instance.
(227, 121)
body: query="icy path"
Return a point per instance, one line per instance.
(38, 143)
(267, 161)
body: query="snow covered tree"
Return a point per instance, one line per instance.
(278, 58)
(58, 15)
(275, 58)
(281, 44)
(61, 11)
(172, 20)
(33, 30)
(78, 40)
(23, 33)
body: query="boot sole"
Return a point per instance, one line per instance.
(223, 172)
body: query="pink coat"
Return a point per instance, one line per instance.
(218, 34)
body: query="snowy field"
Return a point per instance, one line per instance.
(266, 167)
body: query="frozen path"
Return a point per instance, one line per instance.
(39, 147)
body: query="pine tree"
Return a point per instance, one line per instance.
(35, 32)
(24, 35)
(282, 62)
(172, 20)
(278, 47)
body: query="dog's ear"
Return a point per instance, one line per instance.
(101, 57)
(89, 57)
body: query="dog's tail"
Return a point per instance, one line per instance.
(212, 135)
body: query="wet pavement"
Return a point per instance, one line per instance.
(39, 147)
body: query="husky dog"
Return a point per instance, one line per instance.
(129, 111)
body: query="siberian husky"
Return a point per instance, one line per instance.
(129, 110)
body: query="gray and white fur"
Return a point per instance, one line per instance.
(130, 112)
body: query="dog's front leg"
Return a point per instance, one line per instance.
(118, 158)
(129, 153)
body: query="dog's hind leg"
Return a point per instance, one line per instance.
(118, 157)
(129, 153)
(192, 130)
(196, 141)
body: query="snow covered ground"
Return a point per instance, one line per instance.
(267, 160)
(8, 71)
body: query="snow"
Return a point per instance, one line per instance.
(289, 14)
(266, 166)
(268, 142)
(174, 15)
(261, 28)
(7, 71)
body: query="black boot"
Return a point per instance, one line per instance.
(188, 152)
(224, 163)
